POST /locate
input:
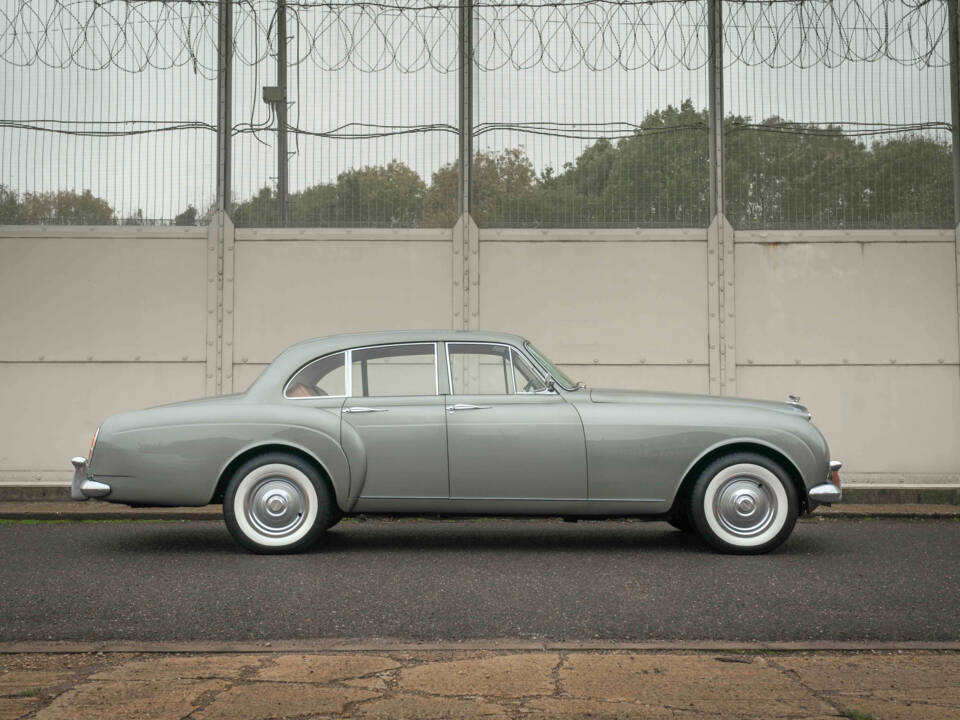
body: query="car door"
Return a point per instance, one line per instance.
(395, 409)
(509, 438)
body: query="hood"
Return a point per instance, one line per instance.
(641, 397)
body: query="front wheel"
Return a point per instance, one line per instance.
(744, 503)
(277, 503)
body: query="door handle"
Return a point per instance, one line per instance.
(360, 409)
(464, 406)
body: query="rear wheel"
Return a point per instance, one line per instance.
(744, 503)
(277, 503)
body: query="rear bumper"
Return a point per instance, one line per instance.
(83, 487)
(830, 491)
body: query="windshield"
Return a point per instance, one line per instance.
(556, 373)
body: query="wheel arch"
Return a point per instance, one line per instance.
(250, 452)
(682, 496)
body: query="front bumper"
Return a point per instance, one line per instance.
(83, 487)
(830, 491)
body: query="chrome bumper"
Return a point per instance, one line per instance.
(830, 491)
(83, 488)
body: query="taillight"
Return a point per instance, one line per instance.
(835, 472)
(92, 443)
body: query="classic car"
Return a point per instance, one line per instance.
(461, 423)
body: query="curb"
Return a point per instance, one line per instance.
(333, 645)
(857, 494)
(94, 511)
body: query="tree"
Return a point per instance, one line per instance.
(64, 208)
(187, 217)
(9, 206)
(390, 196)
(261, 209)
(911, 183)
(503, 185)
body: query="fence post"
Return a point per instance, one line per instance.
(283, 158)
(466, 235)
(953, 11)
(720, 236)
(465, 93)
(224, 102)
(220, 231)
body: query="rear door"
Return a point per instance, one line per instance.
(508, 436)
(396, 410)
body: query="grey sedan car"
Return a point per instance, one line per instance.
(461, 423)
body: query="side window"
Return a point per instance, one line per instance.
(394, 370)
(480, 369)
(322, 377)
(526, 379)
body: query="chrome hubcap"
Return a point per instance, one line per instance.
(276, 506)
(745, 506)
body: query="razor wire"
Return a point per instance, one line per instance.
(137, 35)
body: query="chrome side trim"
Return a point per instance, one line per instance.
(825, 493)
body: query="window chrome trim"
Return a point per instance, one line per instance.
(436, 363)
(348, 371)
(538, 364)
(533, 366)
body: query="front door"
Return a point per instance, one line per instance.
(397, 413)
(509, 437)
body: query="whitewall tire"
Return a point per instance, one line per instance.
(277, 503)
(744, 503)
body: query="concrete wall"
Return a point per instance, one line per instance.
(862, 325)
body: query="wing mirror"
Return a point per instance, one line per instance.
(551, 384)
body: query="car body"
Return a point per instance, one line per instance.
(456, 422)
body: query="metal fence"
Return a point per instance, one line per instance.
(560, 113)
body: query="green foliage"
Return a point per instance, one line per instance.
(187, 217)
(777, 174)
(390, 196)
(54, 208)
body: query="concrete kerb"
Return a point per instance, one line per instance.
(380, 645)
(93, 510)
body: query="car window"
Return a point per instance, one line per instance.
(490, 369)
(320, 378)
(526, 379)
(394, 370)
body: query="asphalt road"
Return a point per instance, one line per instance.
(450, 580)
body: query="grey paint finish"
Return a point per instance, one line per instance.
(586, 452)
(641, 445)
(516, 447)
(404, 441)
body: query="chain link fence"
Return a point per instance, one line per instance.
(585, 113)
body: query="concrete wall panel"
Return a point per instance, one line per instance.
(670, 378)
(292, 291)
(837, 303)
(103, 297)
(877, 419)
(606, 302)
(59, 405)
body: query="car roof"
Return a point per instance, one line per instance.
(295, 356)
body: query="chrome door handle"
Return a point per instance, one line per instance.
(360, 409)
(464, 406)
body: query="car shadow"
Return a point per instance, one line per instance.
(446, 537)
